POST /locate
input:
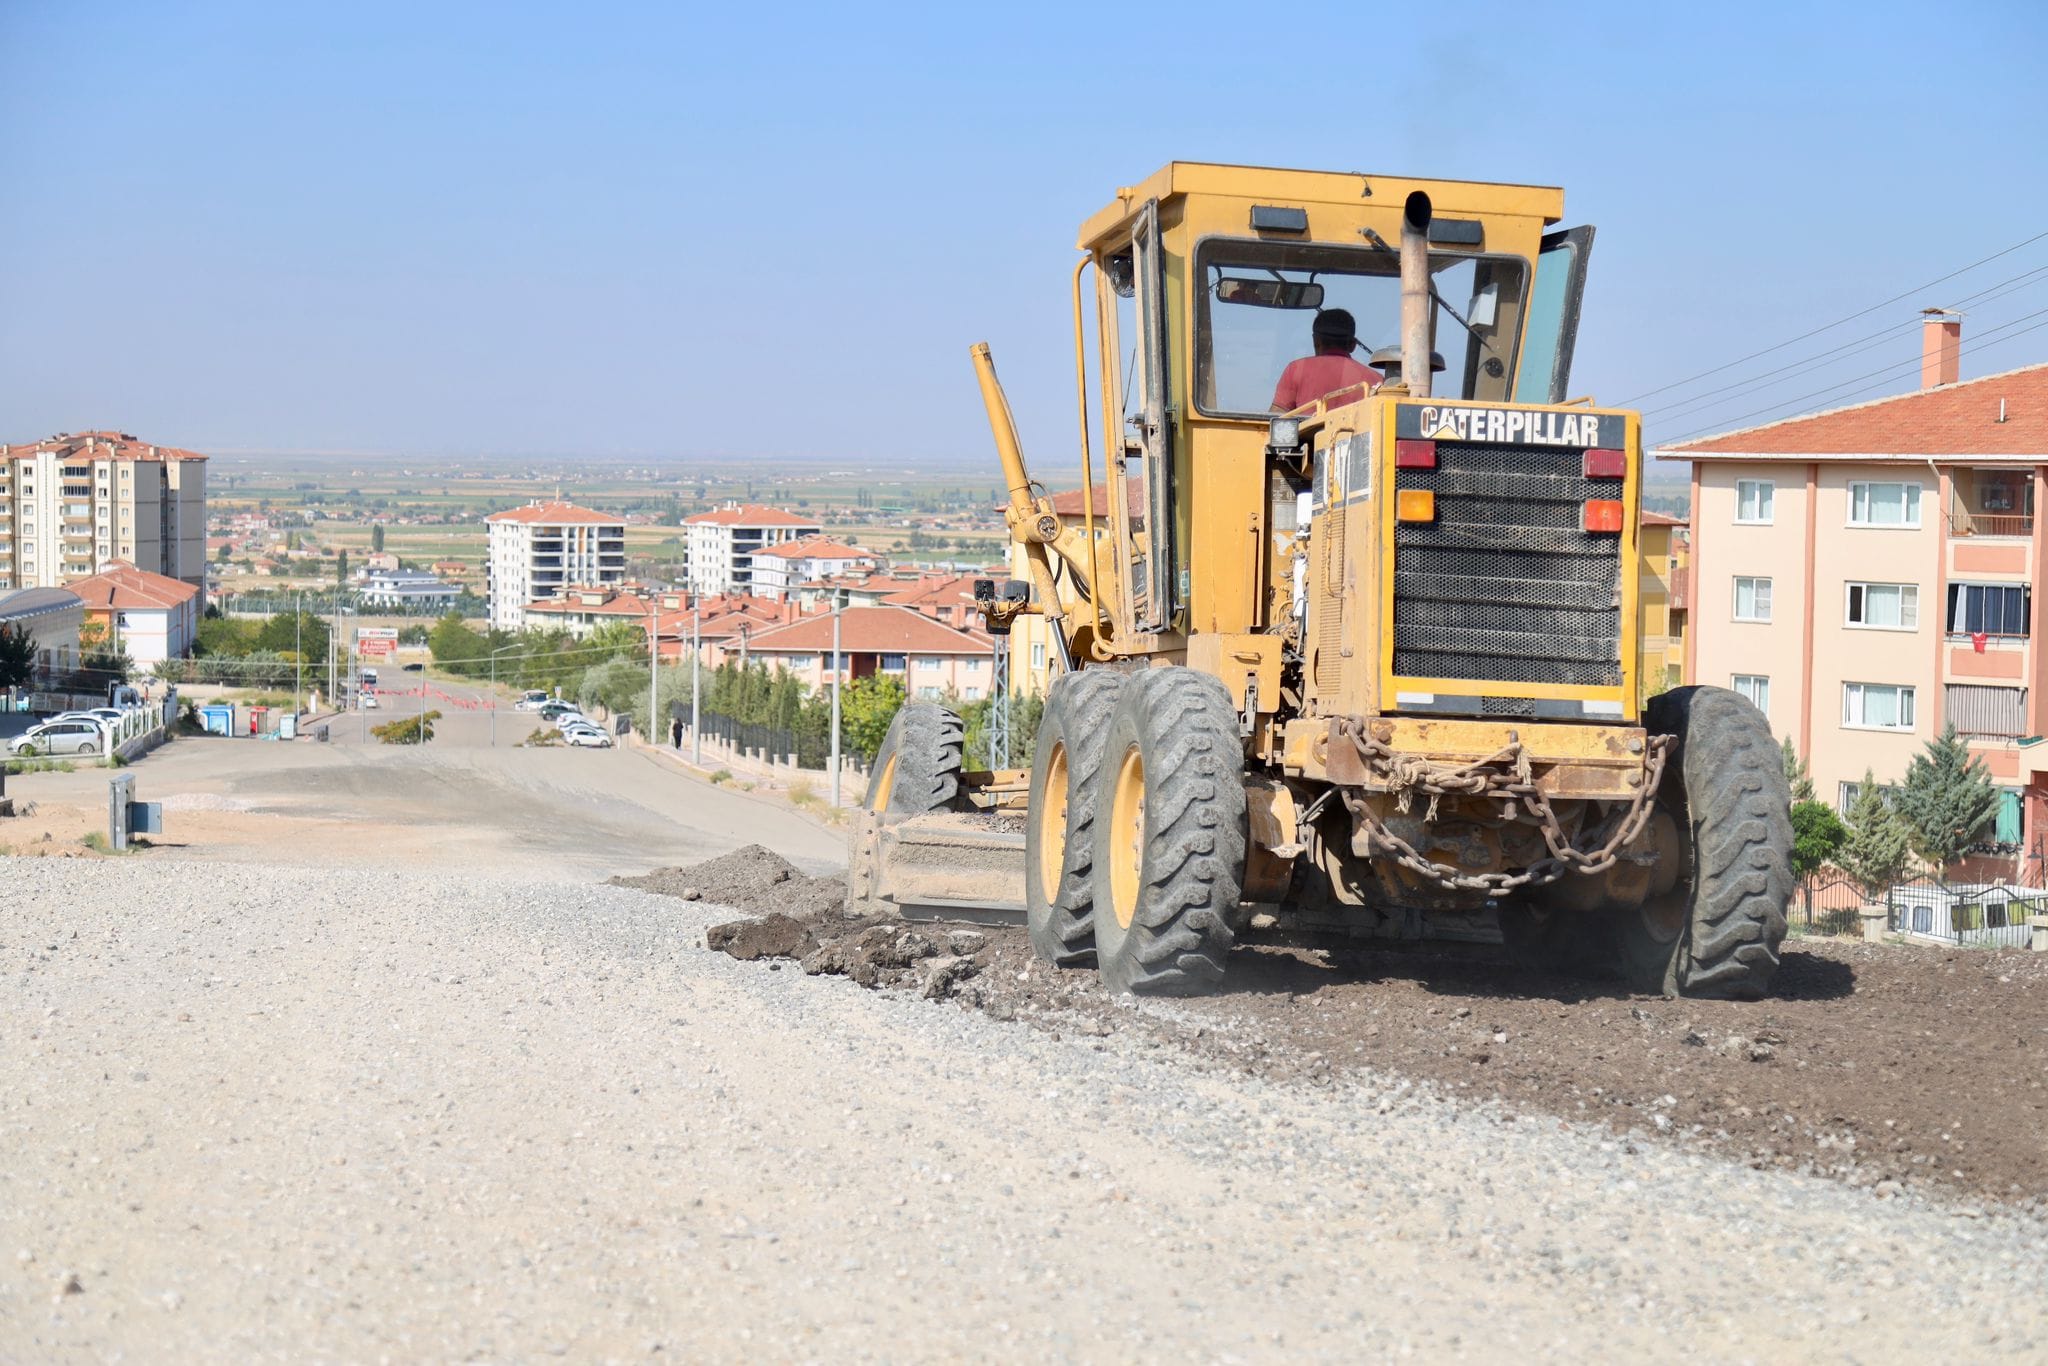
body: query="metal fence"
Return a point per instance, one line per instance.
(1979, 915)
(773, 744)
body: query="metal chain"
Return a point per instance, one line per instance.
(1505, 774)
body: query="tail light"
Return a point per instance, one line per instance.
(1415, 455)
(1419, 505)
(1606, 464)
(1603, 515)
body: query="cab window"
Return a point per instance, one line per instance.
(1256, 303)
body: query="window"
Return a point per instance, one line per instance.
(926, 664)
(893, 662)
(1754, 687)
(1884, 505)
(971, 694)
(1884, 606)
(1753, 500)
(1752, 599)
(931, 691)
(1992, 609)
(1877, 706)
(1256, 301)
(1849, 792)
(1038, 654)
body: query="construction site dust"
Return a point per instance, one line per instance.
(1840, 1072)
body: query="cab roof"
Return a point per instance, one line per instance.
(1267, 184)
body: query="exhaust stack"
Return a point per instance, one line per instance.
(1415, 372)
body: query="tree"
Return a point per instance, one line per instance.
(1948, 800)
(866, 707)
(341, 567)
(1817, 836)
(407, 730)
(457, 647)
(17, 657)
(1796, 776)
(377, 539)
(1878, 851)
(306, 634)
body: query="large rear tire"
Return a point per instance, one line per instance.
(1059, 830)
(1718, 930)
(1170, 835)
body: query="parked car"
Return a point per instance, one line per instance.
(369, 678)
(586, 737)
(413, 667)
(370, 702)
(555, 709)
(563, 719)
(72, 736)
(532, 700)
(106, 714)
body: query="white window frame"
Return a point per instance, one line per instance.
(1908, 592)
(1753, 580)
(1913, 504)
(1766, 501)
(1908, 706)
(1756, 688)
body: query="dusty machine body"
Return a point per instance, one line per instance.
(1366, 667)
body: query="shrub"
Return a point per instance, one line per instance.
(407, 730)
(724, 775)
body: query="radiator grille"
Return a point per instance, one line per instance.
(1504, 586)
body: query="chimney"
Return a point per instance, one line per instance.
(1941, 347)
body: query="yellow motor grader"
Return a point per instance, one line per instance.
(1350, 664)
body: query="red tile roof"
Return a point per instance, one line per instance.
(814, 548)
(1068, 503)
(549, 514)
(751, 514)
(1961, 420)
(1680, 588)
(1659, 519)
(106, 445)
(938, 593)
(871, 630)
(125, 588)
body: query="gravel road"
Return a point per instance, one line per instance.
(257, 1113)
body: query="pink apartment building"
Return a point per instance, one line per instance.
(1866, 574)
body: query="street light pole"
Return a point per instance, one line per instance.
(653, 666)
(838, 602)
(298, 651)
(696, 672)
(494, 687)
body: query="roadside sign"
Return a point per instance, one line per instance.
(379, 641)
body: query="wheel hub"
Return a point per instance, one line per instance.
(1127, 838)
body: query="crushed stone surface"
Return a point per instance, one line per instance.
(342, 1114)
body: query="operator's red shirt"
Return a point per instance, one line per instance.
(1313, 377)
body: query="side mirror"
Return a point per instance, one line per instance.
(1296, 294)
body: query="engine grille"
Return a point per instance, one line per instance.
(1504, 586)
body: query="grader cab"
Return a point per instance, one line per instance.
(1344, 643)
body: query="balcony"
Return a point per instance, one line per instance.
(1996, 504)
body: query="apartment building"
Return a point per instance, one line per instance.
(152, 617)
(538, 550)
(931, 658)
(779, 570)
(1865, 575)
(1664, 546)
(79, 502)
(719, 546)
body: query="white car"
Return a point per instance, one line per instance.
(61, 736)
(586, 737)
(571, 718)
(531, 701)
(108, 715)
(370, 702)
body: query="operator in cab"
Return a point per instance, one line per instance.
(1330, 372)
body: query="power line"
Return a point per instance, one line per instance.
(1988, 339)
(1860, 313)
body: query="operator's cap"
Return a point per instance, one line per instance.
(1335, 324)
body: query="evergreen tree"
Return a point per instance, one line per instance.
(376, 538)
(17, 657)
(1948, 801)
(1796, 776)
(1878, 851)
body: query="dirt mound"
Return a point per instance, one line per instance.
(751, 879)
(936, 961)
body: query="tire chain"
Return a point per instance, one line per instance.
(1503, 775)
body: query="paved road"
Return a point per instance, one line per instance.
(456, 803)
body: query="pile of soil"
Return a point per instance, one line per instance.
(750, 879)
(1885, 1066)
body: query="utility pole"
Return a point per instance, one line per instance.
(696, 676)
(838, 602)
(999, 705)
(298, 652)
(494, 687)
(653, 666)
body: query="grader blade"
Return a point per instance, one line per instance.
(941, 866)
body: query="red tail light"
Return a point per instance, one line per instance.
(1603, 515)
(1606, 464)
(1415, 455)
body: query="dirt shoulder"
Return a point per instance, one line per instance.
(1886, 1066)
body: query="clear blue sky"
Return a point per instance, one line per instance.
(721, 231)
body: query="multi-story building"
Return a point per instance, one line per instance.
(409, 590)
(1866, 576)
(150, 617)
(536, 551)
(77, 503)
(931, 658)
(779, 570)
(1664, 545)
(719, 546)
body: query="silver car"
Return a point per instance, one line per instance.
(78, 735)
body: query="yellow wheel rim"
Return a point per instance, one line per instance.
(884, 785)
(1052, 823)
(1127, 837)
